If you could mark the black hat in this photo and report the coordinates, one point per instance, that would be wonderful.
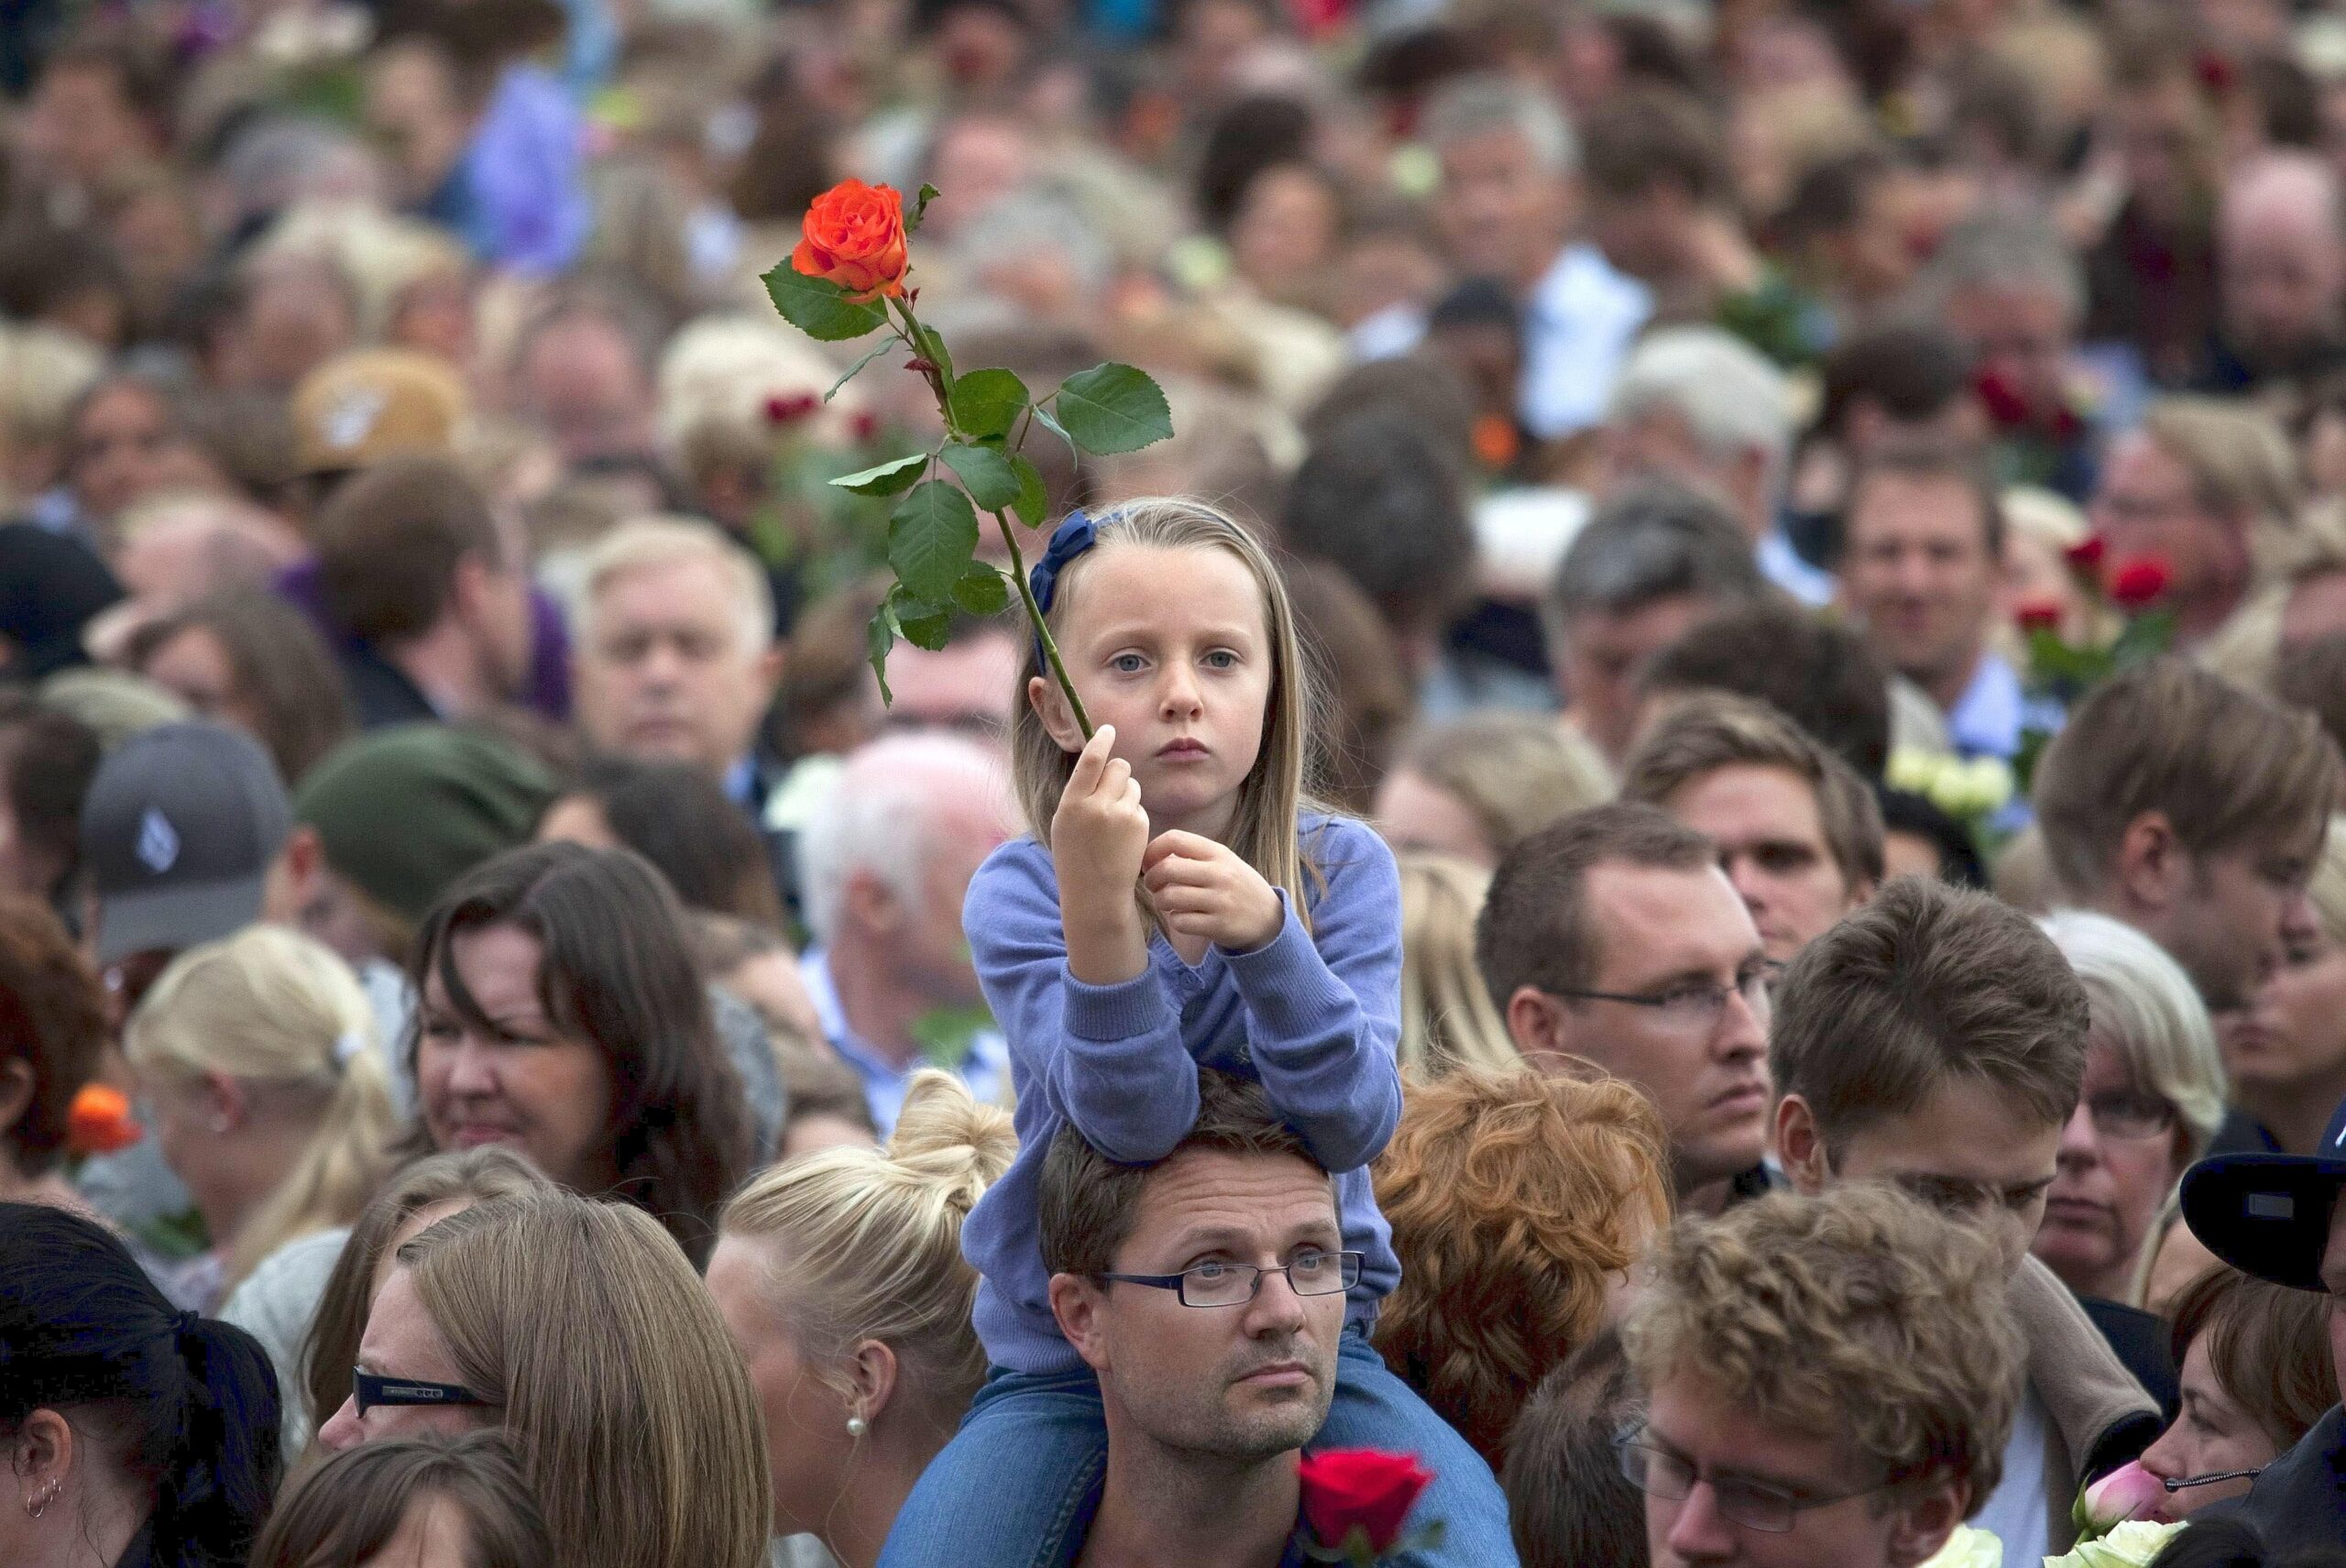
(2268, 1214)
(178, 830)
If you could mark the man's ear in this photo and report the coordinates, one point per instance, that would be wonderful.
(1050, 705)
(872, 1369)
(1078, 1304)
(871, 904)
(766, 671)
(1801, 1147)
(468, 587)
(1532, 1021)
(1922, 1523)
(2153, 869)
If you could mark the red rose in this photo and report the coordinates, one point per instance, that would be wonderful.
(2086, 554)
(99, 1121)
(789, 409)
(1359, 1488)
(2038, 615)
(864, 425)
(2136, 584)
(855, 238)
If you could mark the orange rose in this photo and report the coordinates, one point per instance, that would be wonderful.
(99, 1121)
(855, 238)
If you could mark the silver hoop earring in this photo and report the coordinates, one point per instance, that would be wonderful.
(857, 1426)
(35, 1507)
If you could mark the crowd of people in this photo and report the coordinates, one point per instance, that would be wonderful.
(1694, 881)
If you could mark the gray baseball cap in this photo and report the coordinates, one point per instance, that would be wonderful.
(177, 832)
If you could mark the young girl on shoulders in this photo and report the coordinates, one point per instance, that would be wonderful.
(1179, 904)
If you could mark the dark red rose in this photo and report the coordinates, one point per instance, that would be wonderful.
(1360, 1488)
(791, 407)
(2038, 615)
(2137, 585)
(2086, 554)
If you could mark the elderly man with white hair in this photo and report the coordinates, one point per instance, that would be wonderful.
(1702, 406)
(676, 658)
(884, 864)
(2281, 255)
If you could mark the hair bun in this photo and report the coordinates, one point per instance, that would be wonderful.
(945, 1137)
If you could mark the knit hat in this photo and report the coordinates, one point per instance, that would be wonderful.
(404, 812)
(354, 410)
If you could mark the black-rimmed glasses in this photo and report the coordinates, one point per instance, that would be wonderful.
(1755, 1503)
(370, 1390)
(1234, 1284)
(1694, 1007)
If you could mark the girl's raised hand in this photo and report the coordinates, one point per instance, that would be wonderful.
(1097, 835)
(1203, 889)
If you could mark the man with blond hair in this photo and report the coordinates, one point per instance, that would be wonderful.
(1798, 832)
(1829, 1384)
(676, 659)
(2193, 810)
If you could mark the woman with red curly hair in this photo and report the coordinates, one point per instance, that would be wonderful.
(1519, 1201)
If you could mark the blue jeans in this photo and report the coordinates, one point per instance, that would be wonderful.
(1017, 1485)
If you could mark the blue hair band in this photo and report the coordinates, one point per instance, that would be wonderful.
(1069, 540)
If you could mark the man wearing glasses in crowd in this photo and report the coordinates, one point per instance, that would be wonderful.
(1206, 1291)
(1614, 937)
(1829, 1383)
(1934, 1040)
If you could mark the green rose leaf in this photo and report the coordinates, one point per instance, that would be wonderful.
(988, 402)
(1113, 408)
(1033, 502)
(993, 482)
(920, 207)
(983, 590)
(879, 636)
(818, 307)
(856, 370)
(931, 347)
(887, 478)
(925, 625)
(931, 536)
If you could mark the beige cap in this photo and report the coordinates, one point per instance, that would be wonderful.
(354, 410)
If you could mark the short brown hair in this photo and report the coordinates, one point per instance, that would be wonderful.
(390, 541)
(1087, 1203)
(343, 1512)
(2268, 1347)
(1513, 1197)
(1922, 461)
(1716, 730)
(2227, 766)
(1926, 983)
(2313, 678)
(1534, 929)
(1820, 675)
(53, 1018)
(1567, 1502)
(1647, 136)
(1859, 1315)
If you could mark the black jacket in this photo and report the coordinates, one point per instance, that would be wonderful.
(2300, 1500)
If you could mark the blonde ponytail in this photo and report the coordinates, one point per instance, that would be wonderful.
(272, 1008)
(870, 1243)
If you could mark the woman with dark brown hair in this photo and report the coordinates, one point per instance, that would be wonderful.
(560, 1014)
(52, 1029)
(245, 657)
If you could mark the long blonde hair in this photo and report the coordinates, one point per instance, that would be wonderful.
(583, 1324)
(271, 1007)
(1270, 802)
(870, 1243)
(1447, 1019)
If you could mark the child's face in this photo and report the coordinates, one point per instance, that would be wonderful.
(1170, 646)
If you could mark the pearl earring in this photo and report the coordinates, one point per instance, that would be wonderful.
(857, 1426)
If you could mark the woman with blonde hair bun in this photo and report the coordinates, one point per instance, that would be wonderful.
(268, 1096)
(1447, 1019)
(840, 1278)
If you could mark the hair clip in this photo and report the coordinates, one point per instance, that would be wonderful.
(1069, 540)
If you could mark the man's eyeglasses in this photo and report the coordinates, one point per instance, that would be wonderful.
(1234, 1284)
(1754, 1503)
(370, 1390)
(2128, 1117)
(1693, 1007)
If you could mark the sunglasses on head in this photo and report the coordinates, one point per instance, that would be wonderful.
(370, 1390)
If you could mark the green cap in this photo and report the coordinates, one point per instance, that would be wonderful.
(406, 811)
